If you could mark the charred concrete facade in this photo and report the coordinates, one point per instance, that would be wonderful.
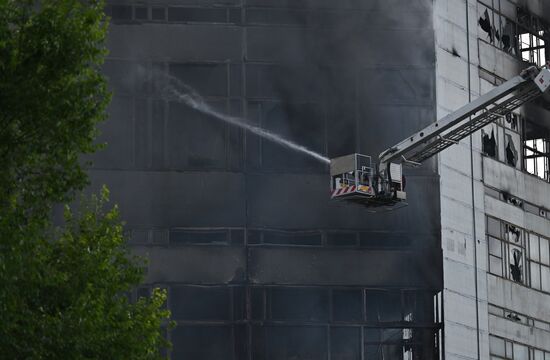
(494, 186)
(258, 263)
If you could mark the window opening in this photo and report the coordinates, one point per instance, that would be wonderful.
(536, 150)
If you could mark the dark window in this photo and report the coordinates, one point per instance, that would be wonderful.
(384, 239)
(197, 14)
(158, 13)
(121, 12)
(200, 303)
(237, 237)
(296, 342)
(347, 305)
(257, 303)
(345, 343)
(202, 343)
(511, 151)
(206, 79)
(342, 239)
(489, 143)
(383, 306)
(141, 13)
(235, 16)
(292, 238)
(277, 16)
(302, 123)
(299, 304)
(239, 302)
(186, 237)
(196, 140)
(144, 292)
(254, 237)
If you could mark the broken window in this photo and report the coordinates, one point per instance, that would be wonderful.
(512, 234)
(511, 151)
(514, 316)
(486, 23)
(506, 250)
(504, 196)
(489, 143)
(536, 140)
(511, 121)
(516, 264)
(509, 38)
(497, 29)
(532, 36)
(513, 30)
(512, 139)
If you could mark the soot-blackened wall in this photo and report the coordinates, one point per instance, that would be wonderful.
(258, 262)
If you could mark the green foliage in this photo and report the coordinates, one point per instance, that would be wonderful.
(62, 290)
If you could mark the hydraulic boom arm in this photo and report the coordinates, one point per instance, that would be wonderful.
(471, 117)
(354, 177)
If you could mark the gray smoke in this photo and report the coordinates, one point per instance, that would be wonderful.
(183, 93)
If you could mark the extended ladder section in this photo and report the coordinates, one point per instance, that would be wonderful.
(355, 179)
(475, 115)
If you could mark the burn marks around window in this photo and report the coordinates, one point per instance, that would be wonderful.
(498, 29)
(514, 30)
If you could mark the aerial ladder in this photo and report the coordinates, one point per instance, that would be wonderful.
(356, 178)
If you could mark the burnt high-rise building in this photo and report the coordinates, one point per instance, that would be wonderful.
(258, 262)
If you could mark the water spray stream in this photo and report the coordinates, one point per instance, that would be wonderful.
(185, 94)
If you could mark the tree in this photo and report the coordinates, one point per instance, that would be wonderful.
(63, 290)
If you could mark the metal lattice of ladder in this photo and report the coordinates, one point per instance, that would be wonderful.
(487, 116)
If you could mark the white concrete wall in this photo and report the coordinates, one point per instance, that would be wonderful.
(454, 89)
(463, 196)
